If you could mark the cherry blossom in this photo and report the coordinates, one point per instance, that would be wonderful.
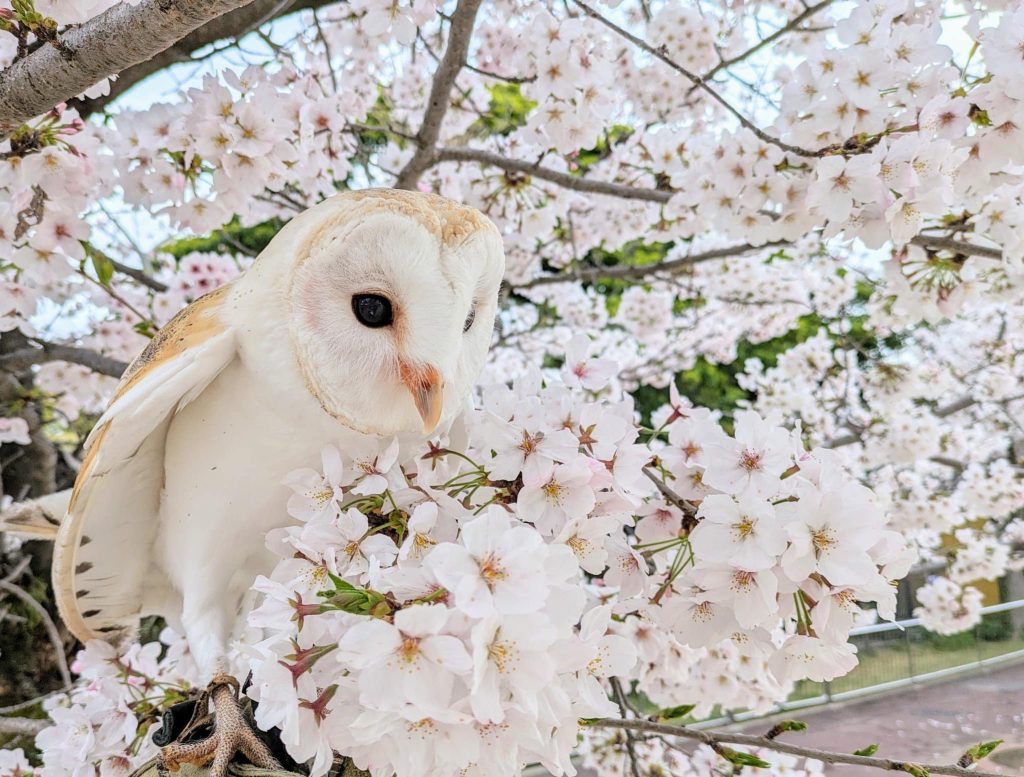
(821, 236)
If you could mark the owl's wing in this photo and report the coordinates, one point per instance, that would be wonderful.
(102, 564)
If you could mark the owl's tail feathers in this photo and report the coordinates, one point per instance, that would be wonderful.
(36, 519)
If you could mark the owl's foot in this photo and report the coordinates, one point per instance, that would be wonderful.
(232, 734)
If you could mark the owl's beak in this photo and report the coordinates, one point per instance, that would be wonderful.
(427, 388)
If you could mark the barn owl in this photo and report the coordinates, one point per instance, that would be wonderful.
(369, 314)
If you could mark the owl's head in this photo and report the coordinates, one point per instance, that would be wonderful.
(391, 302)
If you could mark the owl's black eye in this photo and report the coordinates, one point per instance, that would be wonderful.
(372, 310)
(469, 320)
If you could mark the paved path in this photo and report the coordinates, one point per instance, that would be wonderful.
(932, 723)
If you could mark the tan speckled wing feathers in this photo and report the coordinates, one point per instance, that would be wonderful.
(100, 587)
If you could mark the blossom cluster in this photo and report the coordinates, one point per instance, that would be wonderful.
(865, 177)
(458, 610)
(103, 725)
(935, 437)
(947, 608)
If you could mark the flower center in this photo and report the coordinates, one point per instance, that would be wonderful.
(502, 654)
(751, 460)
(321, 496)
(742, 580)
(702, 612)
(578, 544)
(530, 443)
(492, 571)
(744, 528)
(595, 664)
(553, 491)
(409, 650)
(421, 541)
(823, 539)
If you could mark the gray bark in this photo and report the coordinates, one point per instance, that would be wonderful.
(105, 45)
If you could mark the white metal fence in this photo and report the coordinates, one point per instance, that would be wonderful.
(894, 655)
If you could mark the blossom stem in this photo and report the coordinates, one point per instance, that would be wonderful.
(682, 560)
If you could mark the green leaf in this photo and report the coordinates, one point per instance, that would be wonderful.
(785, 725)
(739, 758)
(145, 328)
(915, 770)
(867, 751)
(101, 263)
(232, 238)
(978, 752)
(670, 713)
(508, 110)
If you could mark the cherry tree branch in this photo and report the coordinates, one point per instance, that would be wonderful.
(23, 358)
(716, 739)
(116, 39)
(22, 726)
(565, 180)
(628, 192)
(957, 246)
(232, 25)
(631, 271)
(697, 80)
(460, 31)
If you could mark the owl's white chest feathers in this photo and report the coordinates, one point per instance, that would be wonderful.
(226, 455)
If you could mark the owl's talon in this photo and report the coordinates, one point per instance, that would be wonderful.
(232, 734)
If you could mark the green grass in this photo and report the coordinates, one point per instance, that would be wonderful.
(882, 663)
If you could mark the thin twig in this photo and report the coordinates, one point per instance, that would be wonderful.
(118, 298)
(627, 271)
(18, 571)
(696, 80)
(718, 738)
(940, 412)
(356, 129)
(138, 275)
(688, 509)
(620, 700)
(507, 79)
(327, 51)
(766, 41)
(51, 629)
(144, 256)
(24, 705)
